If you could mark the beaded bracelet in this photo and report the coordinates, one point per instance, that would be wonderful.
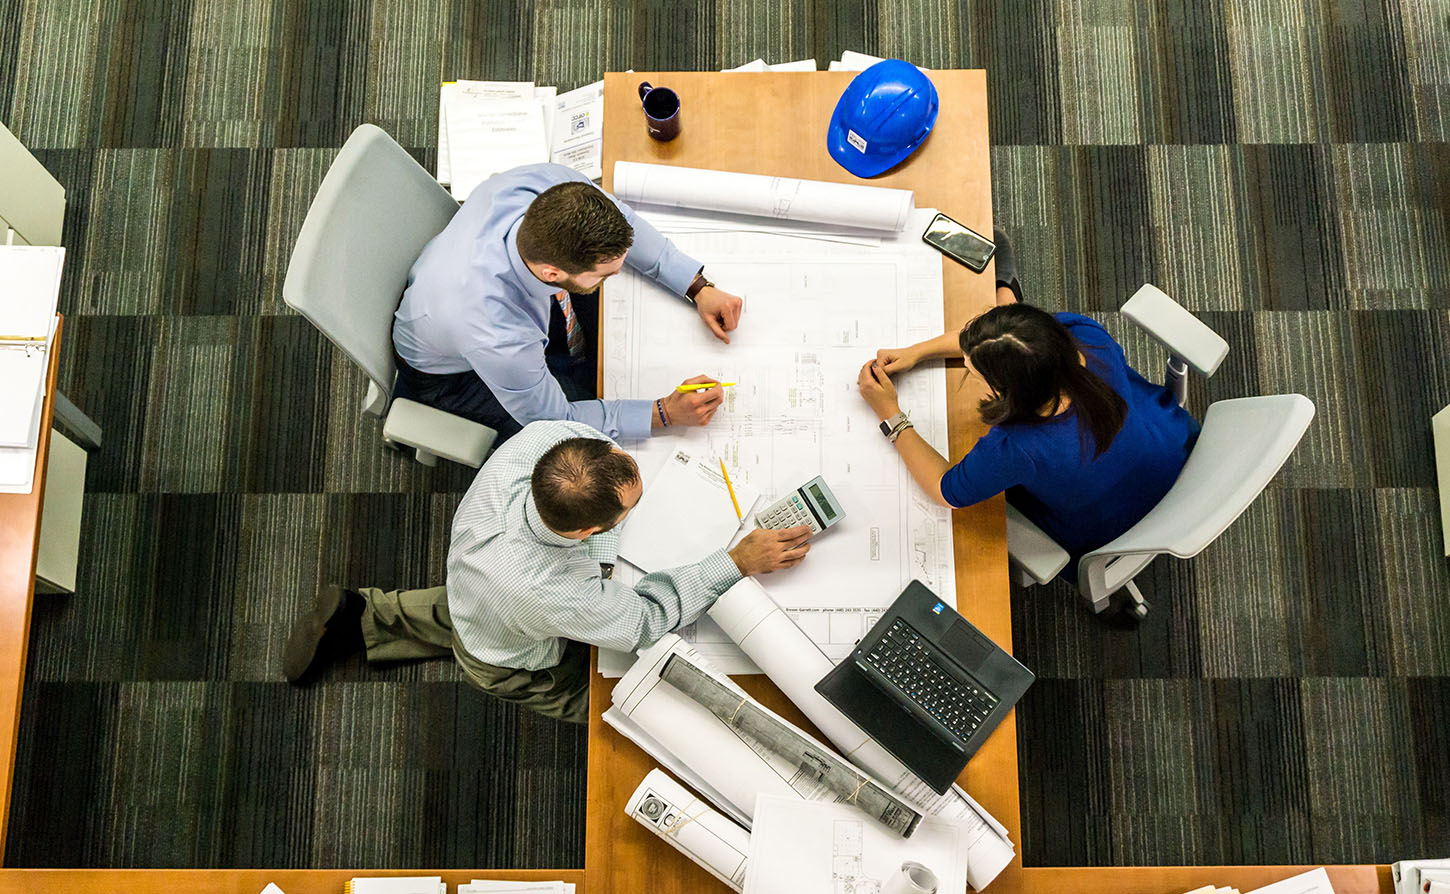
(660, 408)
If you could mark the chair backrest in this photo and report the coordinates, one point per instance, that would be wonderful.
(374, 213)
(1243, 444)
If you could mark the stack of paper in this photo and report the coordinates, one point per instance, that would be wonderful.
(1421, 876)
(483, 886)
(1316, 881)
(417, 884)
(853, 61)
(29, 292)
(762, 65)
(485, 127)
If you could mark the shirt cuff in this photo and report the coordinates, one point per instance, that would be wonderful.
(635, 418)
(677, 272)
(718, 572)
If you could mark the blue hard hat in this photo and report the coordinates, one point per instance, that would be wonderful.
(885, 113)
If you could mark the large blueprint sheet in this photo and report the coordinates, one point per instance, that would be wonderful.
(816, 309)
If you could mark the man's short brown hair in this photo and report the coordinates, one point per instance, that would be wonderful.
(575, 227)
(576, 484)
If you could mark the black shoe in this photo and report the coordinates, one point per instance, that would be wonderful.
(331, 630)
(1006, 264)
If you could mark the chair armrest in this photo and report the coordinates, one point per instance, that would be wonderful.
(443, 434)
(1032, 550)
(1172, 326)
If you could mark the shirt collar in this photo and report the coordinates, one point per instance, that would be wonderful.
(531, 284)
(542, 532)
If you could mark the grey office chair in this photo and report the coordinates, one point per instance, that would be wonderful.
(374, 212)
(1243, 444)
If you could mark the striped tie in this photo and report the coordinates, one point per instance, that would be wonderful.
(572, 329)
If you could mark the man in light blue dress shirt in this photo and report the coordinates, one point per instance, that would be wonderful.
(495, 322)
(529, 579)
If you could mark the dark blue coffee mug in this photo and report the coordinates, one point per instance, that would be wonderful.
(661, 111)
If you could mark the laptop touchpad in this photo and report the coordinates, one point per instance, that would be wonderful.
(966, 645)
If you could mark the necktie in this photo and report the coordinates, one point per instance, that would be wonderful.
(572, 329)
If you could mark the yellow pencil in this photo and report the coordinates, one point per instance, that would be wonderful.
(685, 389)
(731, 488)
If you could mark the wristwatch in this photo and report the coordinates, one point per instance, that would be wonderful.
(699, 284)
(892, 424)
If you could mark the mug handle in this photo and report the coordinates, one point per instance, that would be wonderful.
(644, 88)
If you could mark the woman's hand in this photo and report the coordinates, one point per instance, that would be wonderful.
(894, 360)
(877, 390)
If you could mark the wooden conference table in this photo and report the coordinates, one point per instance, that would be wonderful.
(775, 123)
(763, 123)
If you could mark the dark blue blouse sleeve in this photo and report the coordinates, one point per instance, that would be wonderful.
(991, 467)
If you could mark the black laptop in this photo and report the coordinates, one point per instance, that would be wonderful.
(927, 685)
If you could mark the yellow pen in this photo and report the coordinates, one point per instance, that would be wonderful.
(685, 389)
(731, 488)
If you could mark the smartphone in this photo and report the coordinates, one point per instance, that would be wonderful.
(962, 244)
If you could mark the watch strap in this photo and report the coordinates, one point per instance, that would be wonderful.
(698, 285)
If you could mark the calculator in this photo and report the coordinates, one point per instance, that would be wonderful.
(812, 504)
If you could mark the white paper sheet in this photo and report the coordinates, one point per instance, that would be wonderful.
(854, 61)
(578, 140)
(845, 205)
(22, 372)
(798, 65)
(752, 65)
(812, 847)
(814, 312)
(1315, 881)
(486, 136)
(1406, 873)
(691, 827)
(685, 514)
(482, 89)
(29, 289)
(483, 886)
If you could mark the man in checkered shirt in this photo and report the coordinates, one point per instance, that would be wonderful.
(528, 588)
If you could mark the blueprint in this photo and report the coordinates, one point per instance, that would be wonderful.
(815, 310)
(815, 847)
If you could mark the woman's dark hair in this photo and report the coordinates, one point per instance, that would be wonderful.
(576, 484)
(1030, 361)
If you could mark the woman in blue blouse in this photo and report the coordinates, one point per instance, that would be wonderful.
(1083, 445)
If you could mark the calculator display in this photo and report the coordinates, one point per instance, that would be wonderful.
(822, 502)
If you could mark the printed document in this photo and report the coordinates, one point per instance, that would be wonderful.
(813, 847)
(1315, 881)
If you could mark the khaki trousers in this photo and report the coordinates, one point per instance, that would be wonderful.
(404, 625)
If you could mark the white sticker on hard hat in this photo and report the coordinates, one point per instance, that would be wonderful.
(855, 140)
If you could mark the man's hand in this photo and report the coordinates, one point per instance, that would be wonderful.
(692, 407)
(720, 311)
(876, 388)
(763, 550)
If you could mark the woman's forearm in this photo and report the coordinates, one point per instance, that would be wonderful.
(943, 347)
(923, 462)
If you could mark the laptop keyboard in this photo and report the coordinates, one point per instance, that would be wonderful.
(912, 665)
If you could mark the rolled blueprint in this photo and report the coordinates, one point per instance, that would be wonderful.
(911, 878)
(730, 763)
(794, 663)
(691, 827)
(846, 205)
(812, 758)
